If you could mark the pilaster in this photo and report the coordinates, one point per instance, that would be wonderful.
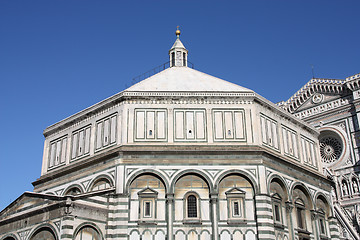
(67, 223)
(213, 203)
(264, 216)
(289, 208)
(334, 230)
(314, 220)
(118, 217)
(170, 215)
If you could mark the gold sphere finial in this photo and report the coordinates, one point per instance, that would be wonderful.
(177, 31)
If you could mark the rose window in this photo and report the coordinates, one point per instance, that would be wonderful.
(330, 149)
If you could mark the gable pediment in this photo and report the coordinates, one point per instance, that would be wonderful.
(316, 99)
(28, 202)
(147, 192)
(315, 92)
(235, 192)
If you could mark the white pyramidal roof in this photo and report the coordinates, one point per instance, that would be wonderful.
(177, 44)
(185, 79)
(180, 78)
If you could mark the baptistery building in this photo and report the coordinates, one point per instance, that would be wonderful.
(182, 155)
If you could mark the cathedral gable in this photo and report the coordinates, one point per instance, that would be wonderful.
(315, 92)
(316, 99)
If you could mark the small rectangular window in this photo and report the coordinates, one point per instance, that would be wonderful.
(172, 59)
(300, 218)
(277, 213)
(322, 226)
(147, 212)
(236, 208)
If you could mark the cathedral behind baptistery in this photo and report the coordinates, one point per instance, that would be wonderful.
(182, 155)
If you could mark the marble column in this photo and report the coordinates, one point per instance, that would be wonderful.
(214, 197)
(170, 215)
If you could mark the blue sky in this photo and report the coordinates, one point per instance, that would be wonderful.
(59, 57)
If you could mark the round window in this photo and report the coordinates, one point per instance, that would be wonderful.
(331, 147)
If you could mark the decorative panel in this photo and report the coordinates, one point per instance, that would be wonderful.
(106, 132)
(189, 117)
(200, 126)
(218, 123)
(179, 125)
(290, 142)
(57, 152)
(308, 152)
(140, 125)
(190, 125)
(269, 132)
(161, 124)
(80, 142)
(229, 124)
(150, 125)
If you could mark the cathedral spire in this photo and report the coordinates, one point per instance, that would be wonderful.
(178, 53)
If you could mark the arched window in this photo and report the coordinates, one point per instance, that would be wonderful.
(101, 184)
(73, 191)
(43, 233)
(88, 233)
(172, 59)
(277, 209)
(300, 213)
(278, 196)
(323, 210)
(9, 238)
(192, 206)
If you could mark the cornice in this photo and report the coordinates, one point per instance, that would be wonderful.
(122, 151)
(353, 82)
(189, 94)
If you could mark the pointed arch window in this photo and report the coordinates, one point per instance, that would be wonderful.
(345, 189)
(355, 185)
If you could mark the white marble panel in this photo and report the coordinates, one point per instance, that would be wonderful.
(140, 125)
(161, 125)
